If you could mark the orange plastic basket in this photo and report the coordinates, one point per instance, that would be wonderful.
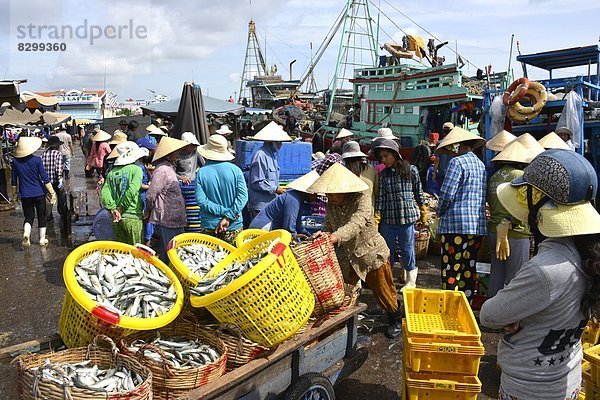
(271, 301)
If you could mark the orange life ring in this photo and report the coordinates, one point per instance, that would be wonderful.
(515, 91)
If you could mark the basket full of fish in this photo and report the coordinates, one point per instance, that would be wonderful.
(83, 373)
(181, 356)
(192, 255)
(116, 289)
(260, 289)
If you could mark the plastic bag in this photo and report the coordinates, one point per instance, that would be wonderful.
(570, 117)
(498, 114)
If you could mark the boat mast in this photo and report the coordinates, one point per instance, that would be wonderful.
(254, 64)
(357, 40)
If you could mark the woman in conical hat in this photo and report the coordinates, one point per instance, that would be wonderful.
(545, 307)
(100, 149)
(461, 210)
(361, 250)
(508, 237)
(499, 141)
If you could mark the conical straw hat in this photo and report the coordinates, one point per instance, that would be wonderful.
(344, 133)
(500, 140)
(530, 143)
(27, 145)
(272, 133)
(154, 130)
(516, 152)
(166, 146)
(338, 179)
(101, 136)
(304, 182)
(458, 135)
(118, 137)
(553, 141)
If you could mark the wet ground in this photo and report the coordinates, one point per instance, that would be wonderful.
(32, 290)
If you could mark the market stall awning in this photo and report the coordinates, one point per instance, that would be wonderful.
(52, 118)
(13, 117)
(211, 106)
(258, 111)
(563, 58)
(33, 100)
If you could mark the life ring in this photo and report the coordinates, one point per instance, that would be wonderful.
(515, 91)
(536, 91)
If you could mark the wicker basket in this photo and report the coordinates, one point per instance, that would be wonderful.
(104, 358)
(170, 382)
(320, 265)
(421, 243)
(240, 350)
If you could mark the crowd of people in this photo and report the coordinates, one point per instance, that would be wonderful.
(538, 192)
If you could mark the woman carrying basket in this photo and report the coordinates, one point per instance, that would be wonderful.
(361, 251)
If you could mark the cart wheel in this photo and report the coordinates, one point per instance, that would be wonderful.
(311, 386)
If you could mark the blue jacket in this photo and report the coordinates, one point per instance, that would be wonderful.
(284, 212)
(263, 177)
(29, 172)
(221, 192)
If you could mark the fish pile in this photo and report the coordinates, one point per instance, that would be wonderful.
(83, 375)
(226, 276)
(126, 285)
(179, 351)
(200, 258)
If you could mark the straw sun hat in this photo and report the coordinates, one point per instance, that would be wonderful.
(500, 140)
(128, 153)
(101, 136)
(118, 137)
(338, 179)
(343, 133)
(385, 133)
(216, 149)
(167, 146)
(521, 150)
(304, 182)
(27, 145)
(564, 182)
(553, 141)
(272, 133)
(458, 135)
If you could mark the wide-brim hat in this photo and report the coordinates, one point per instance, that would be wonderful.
(553, 220)
(154, 130)
(167, 146)
(272, 132)
(553, 141)
(224, 130)
(459, 135)
(304, 182)
(447, 126)
(128, 153)
(338, 179)
(118, 138)
(387, 144)
(351, 149)
(190, 138)
(343, 133)
(500, 140)
(53, 141)
(319, 155)
(216, 149)
(516, 152)
(385, 133)
(101, 136)
(563, 129)
(27, 146)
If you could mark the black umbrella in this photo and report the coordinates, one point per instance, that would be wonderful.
(191, 116)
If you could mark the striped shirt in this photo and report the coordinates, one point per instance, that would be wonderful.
(461, 205)
(52, 161)
(399, 199)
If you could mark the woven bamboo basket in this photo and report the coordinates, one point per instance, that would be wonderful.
(170, 382)
(421, 243)
(31, 388)
(320, 265)
(240, 349)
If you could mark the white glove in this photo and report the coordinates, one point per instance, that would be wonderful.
(51, 195)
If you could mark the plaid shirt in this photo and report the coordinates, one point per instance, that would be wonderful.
(399, 199)
(328, 161)
(52, 161)
(461, 205)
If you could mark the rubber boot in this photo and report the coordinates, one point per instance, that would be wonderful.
(395, 323)
(411, 283)
(26, 234)
(43, 240)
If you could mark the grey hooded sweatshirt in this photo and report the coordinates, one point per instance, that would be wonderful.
(543, 359)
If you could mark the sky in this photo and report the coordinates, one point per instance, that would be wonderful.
(163, 44)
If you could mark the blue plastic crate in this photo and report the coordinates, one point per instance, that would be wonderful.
(294, 157)
(313, 223)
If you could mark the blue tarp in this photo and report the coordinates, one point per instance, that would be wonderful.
(211, 106)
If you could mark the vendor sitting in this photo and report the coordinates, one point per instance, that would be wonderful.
(361, 250)
(286, 211)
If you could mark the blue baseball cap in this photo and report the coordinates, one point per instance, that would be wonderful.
(147, 143)
(563, 175)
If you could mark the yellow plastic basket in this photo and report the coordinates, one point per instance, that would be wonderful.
(437, 386)
(189, 280)
(425, 355)
(591, 384)
(591, 335)
(247, 235)
(443, 315)
(82, 318)
(271, 301)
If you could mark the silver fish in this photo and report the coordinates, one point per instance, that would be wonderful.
(180, 352)
(200, 258)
